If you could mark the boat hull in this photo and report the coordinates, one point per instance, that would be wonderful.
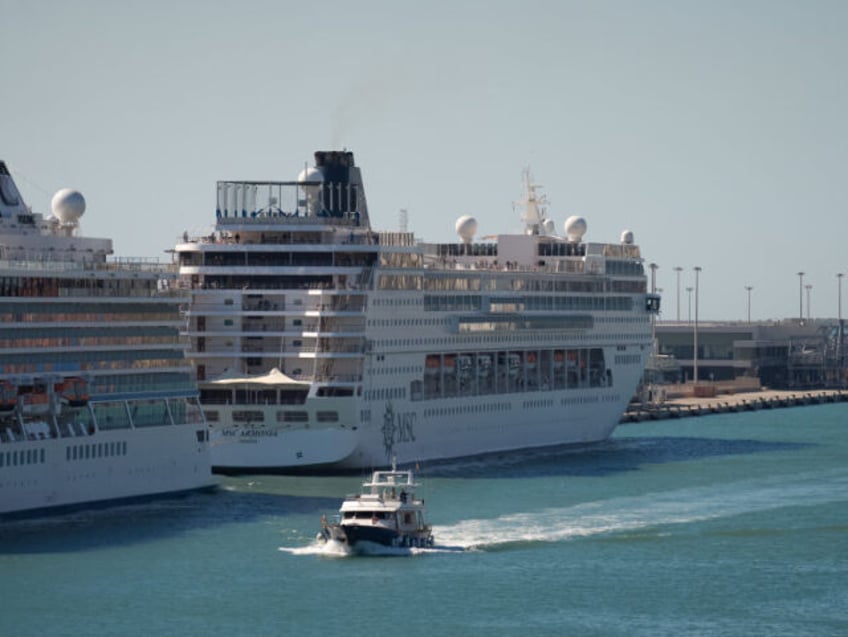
(355, 535)
(246, 449)
(48, 475)
(414, 431)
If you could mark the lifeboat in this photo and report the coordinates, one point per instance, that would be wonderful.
(74, 391)
(432, 364)
(35, 399)
(8, 396)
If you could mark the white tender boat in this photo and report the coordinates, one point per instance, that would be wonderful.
(386, 513)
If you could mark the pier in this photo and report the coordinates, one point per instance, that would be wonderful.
(695, 406)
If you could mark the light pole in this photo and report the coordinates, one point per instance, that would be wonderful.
(678, 270)
(748, 288)
(808, 287)
(841, 334)
(689, 292)
(801, 297)
(695, 333)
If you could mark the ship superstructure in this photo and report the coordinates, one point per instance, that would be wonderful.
(97, 399)
(321, 343)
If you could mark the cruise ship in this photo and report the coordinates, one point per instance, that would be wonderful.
(98, 402)
(321, 344)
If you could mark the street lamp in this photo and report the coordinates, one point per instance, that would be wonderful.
(801, 297)
(695, 333)
(808, 287)
(841, 334)
(748, 288)
(678, 270)
(689, 292)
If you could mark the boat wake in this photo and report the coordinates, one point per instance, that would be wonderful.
(639, 513)
(649, 513)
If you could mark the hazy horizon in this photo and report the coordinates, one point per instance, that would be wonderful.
(716, 132)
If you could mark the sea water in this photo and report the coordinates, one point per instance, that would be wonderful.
(733, 524)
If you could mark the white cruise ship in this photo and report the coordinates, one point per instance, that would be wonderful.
(97, 400)
(322, 344)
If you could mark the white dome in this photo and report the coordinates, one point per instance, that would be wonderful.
(549, 226)
(575, 228)
(68, 205)
(310, 175)
(627, 237)
(466, 227)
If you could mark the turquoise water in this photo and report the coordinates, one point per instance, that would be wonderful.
(725, 525)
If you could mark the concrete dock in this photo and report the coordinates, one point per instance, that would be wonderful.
(749, 401)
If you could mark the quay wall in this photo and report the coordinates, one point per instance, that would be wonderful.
(695, 406)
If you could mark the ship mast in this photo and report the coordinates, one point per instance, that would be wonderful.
(535, 207)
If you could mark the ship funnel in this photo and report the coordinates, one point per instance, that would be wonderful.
(342, 193)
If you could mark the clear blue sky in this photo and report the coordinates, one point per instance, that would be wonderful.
(716, 131)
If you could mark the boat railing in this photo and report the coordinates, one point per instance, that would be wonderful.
(112, 265)
(242, 203)
(345, 379)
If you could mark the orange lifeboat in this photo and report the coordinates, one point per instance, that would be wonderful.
(35, 399)
(74, 391)
(8, 396)
(432, 362)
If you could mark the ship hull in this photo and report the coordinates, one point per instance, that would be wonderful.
(239, 449)
(414, 431)
(50, 475)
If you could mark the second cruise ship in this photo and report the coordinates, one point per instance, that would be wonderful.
(322, 344)
(97, 400)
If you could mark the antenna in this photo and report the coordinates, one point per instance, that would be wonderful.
(534, 206)
(403, 220)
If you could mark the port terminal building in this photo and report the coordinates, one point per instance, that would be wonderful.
(781, 354)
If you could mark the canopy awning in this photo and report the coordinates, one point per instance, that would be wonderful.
(274, 377)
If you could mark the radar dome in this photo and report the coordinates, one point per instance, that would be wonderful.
(311, 178)
(549, 226)
(466, 227)
(627, 237)
(68, 205)
(575, 228)
(310, 175)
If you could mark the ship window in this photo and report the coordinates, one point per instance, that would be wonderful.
(149, 413)
(295, 416)
(328, 416)
(111, 416)
(212, 416)
(248, 415)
